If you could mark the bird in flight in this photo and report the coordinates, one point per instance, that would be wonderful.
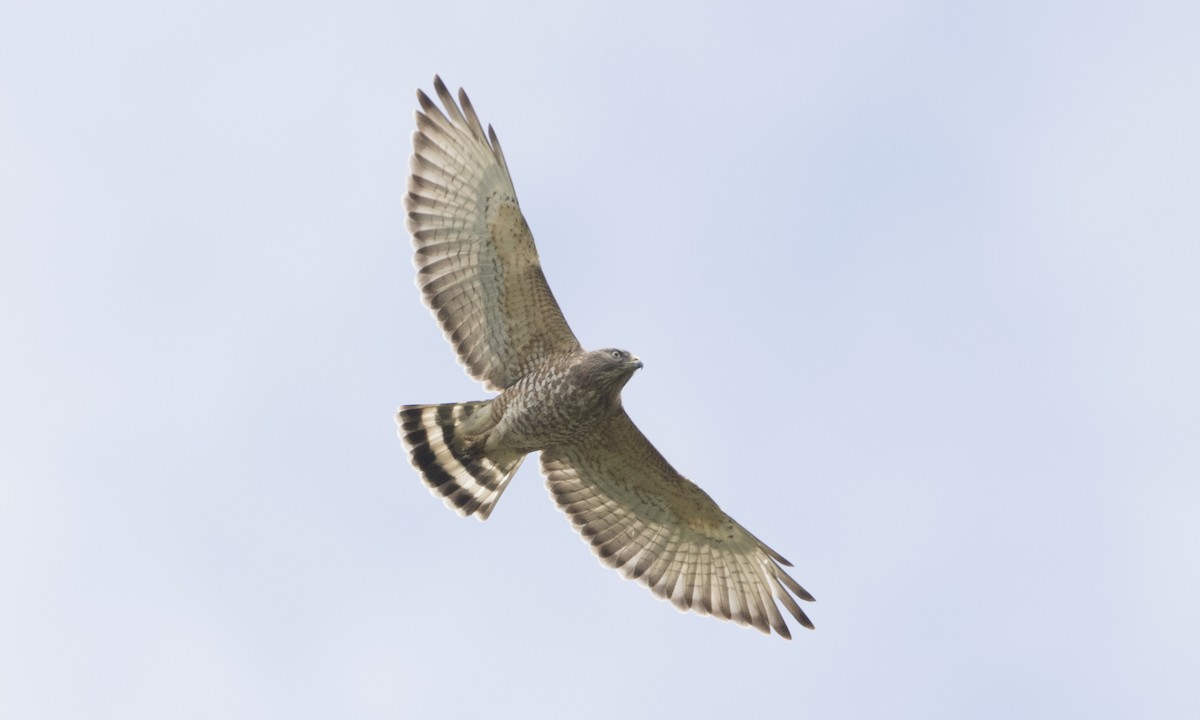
(479, 273)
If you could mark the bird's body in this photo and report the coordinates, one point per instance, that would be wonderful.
(479, 272)
(563, 399)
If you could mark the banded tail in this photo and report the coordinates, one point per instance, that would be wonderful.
(468, 480)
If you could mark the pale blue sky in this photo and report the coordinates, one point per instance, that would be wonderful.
(917, 286)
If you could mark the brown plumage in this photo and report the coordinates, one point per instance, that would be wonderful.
(479, 272)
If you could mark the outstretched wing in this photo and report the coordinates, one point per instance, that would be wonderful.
(477, 267)
(646, 520)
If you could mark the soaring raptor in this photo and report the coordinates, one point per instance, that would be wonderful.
(479, 273)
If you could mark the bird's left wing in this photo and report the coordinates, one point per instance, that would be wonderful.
(646, 520)
(477, 266)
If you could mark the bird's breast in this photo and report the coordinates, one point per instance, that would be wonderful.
(549, 406)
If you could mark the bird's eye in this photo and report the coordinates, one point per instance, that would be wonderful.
(615, 354)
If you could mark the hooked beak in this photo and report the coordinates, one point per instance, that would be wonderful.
(635, 362)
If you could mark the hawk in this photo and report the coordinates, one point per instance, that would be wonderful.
(479, 273)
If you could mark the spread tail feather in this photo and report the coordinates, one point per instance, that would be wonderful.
(467, 479)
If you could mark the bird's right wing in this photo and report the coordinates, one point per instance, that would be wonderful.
(646, 520)
(478, 269)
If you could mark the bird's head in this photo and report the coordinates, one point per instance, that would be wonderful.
(612, 367)
(618, 360)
